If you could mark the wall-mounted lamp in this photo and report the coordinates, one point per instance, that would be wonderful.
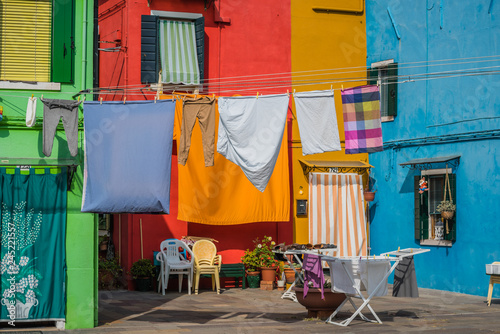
(301, 190)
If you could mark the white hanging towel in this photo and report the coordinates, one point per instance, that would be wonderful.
(31, 112)
(317, 121)
(250, 134)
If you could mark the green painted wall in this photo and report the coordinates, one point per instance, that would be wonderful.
(19, 141)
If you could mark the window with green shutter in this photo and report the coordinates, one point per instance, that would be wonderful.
(174, 46)
(430, 227)
(36, 40)
(385, 74)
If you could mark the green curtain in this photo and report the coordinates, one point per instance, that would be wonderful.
(33, 254)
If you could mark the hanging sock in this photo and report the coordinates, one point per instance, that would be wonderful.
(250, 134)
(203, 109)
(317, 121)
(31, 112)
(53, 111)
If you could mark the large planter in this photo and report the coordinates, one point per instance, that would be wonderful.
(268, 274)
(253, 279)
(143, 284)
(317, 307)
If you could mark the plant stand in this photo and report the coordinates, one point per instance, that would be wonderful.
(290, 293)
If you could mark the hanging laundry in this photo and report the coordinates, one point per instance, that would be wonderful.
(250, 134)
(317, 121)
(313, 272)
(1, 113)
(31, 112)
(222, 194)
(204, 109)
(53, 111)
(405, 279)
(128, 154)
(362, 125)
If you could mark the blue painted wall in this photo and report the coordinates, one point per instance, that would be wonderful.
(436, 30)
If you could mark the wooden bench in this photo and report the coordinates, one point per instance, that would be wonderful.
(233, 270)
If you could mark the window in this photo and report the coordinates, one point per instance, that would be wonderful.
(427, 216)
(385, 73)
(173, 43)
(36, 40)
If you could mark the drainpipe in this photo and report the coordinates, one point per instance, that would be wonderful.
(84, 46)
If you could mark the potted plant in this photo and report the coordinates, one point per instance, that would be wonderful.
(103, 242)
(369, 194)
(268, 264)
(251, 262)
(447, 209)
(110, 273)
(290, 272)
(142, 272)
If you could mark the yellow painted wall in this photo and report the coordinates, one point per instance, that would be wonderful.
(326, 34)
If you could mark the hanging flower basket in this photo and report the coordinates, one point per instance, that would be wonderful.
(447, 214)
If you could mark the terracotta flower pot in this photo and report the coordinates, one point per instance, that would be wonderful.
(369, 196)
(268, 273)
(289, 275)
(317, 307)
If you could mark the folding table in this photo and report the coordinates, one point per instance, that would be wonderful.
(290, 293)
(355, 279)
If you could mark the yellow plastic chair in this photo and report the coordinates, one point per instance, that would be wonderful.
(206, 261)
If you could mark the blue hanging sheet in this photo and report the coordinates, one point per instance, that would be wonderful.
(128, 153)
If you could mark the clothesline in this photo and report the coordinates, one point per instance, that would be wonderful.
(263, 85)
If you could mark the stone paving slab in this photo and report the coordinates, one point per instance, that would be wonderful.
(255, 311)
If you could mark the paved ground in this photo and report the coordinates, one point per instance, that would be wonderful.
(257, 311)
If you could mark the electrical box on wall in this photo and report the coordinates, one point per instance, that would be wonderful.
(301, 207)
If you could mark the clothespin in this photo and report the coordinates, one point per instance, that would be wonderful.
(101, 100)
(78, 98)
(32, 95)
(398, 248)
(124, 99)
(287, 92)
(84, 98)
(155, 98)
(257, 94)
(411, 250)
(41, 97)
(342, 88)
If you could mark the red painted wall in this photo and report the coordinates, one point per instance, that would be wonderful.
(256, 41)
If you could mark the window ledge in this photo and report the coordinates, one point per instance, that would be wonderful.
(30, 85)
(387, 119)
(430, 242)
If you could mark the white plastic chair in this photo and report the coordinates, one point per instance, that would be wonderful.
(172, 262)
